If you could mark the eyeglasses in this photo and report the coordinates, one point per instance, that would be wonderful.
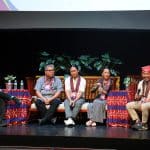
(49, 70)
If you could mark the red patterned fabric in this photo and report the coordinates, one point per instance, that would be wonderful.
(117, 114)
(18, 114)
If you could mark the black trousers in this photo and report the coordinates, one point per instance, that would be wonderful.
(3, 100)
(47, 114)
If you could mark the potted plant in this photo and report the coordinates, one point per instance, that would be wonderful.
(105, 60)
(61, 63)
(9, 79)
(85, 63)
(64, 62)
(126, 82)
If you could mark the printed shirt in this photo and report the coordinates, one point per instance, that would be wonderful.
(56, 86)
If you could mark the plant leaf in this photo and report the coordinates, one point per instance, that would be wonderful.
(60, 58)
(106, 57)
(42, 65)
(44, 53)
(63, 67)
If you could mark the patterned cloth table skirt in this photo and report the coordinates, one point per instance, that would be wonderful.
(117, 114)
(18, 114)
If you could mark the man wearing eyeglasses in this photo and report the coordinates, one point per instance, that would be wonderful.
(48, 89)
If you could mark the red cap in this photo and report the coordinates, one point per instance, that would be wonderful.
(146, 69)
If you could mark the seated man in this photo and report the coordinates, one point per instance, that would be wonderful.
(48, 89)
(74, 89)
(4, 98)
(141, 102)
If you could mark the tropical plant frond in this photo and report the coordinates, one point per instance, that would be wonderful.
(83, 62)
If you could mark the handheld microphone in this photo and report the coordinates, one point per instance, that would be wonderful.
(138, 92)
(137, 98)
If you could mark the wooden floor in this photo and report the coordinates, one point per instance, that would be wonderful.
(79, 136)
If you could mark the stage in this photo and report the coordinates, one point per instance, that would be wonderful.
(79, 136)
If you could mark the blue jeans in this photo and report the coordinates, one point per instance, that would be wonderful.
(73, 112)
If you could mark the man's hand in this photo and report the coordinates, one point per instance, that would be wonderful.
(49, 100)
(137, 97)
(46, 101)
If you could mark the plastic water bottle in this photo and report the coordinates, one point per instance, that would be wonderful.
(9, 85)
(21, 84)
(15, 84)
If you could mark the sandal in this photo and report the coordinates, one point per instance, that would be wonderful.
(89, 123)
(93, 124)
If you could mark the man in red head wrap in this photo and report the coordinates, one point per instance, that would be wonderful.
(141, 102)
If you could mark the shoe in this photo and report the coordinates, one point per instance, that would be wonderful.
(143, 127)
(3, 123)
(53, 120)
(136, 126)
(93, 124)
(69, 122)
(73, 122)
(89, 123)
(41, 121)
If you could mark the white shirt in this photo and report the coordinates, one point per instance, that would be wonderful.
(140, 89)
(82, 85)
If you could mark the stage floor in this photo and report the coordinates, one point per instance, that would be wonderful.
(78, 136)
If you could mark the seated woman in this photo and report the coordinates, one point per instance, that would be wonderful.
(96, 110)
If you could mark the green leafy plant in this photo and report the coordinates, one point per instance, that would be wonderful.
(127, 81)
(84, 62)
(10, 77)
(105, 60)
(60, 62)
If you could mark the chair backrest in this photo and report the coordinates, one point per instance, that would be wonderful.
(90, 81)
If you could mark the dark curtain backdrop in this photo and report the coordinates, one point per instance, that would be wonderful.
(20, 48)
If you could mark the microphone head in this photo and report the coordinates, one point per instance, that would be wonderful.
(138, 92)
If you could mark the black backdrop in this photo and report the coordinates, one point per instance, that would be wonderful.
(20, 48)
